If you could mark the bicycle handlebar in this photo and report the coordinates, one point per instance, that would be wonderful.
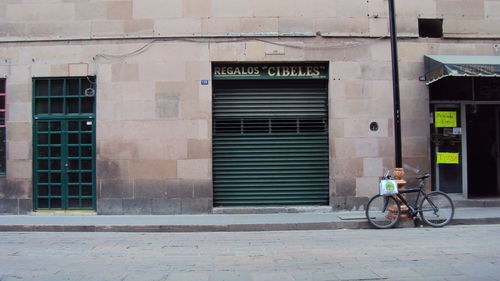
(424, 176)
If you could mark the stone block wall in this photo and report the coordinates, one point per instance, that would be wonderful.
(60, 19)
(154, 118)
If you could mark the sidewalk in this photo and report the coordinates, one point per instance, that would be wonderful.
(218, 222)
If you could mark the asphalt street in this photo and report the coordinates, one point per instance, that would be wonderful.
(469, 252)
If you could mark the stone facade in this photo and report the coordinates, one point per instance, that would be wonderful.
(154, 118)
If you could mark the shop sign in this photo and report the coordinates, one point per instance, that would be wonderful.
(269, 71)
(445, 119)
(447, 158)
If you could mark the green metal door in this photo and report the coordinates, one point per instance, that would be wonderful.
(271, 145)
(64, 144)
(64, 165)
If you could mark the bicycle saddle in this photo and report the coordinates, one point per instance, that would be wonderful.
(424, 176)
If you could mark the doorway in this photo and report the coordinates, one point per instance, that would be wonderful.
(483, 143)
(64, 164)
(446, 133)
(270, 135)
(64, 143)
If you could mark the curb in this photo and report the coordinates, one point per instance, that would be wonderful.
(223, 227)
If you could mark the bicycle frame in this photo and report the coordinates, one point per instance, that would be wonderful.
(412, 208)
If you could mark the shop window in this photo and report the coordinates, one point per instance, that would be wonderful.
(431, 28)
(2, 126)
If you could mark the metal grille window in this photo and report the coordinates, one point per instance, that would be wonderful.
(3, 113)
(64, 96)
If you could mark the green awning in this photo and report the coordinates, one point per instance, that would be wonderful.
(437, 67)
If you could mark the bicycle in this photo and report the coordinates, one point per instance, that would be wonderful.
(434, 208)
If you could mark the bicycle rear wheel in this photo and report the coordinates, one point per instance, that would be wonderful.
(383, 211)
(437, 209)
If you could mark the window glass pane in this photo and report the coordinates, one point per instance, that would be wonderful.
(56, 203)
(55, 151)
(55, 164)
(73, 87)
(73, 126)
(43, 151)
(74, 203)
(86, 138)
(72, 105)
(73, 138)
(56, 105)
(42, 88)
(86, 177)
(2, 102)
(2, 150)
(43, 190)
(74, 190)
(86, 203)
(2, 85)
(73, 177)
(74, 165)
(55, 177)
(43, 164)
(43, 177)
(87, 190)
(42, 106)
(87, 105)
(73, 151)
(43, 138)
(56, 87)
(86, 151)
(43, 126)
(55, 190)
(43, 203)
(86, 164)
(55, 126)
(55, 139)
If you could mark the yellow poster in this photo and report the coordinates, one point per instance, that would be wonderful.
(445, 119)
(447, 158)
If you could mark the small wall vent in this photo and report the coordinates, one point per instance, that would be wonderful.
(430, 28)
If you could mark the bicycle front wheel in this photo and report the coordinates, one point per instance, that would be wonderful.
(437, 209)
(383, 211)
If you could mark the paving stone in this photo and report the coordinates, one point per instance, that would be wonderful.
(230, 276)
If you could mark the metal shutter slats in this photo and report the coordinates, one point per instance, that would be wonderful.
(270, 147)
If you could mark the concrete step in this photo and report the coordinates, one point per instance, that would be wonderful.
(476, 203)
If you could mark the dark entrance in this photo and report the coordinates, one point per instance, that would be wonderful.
(483, 135)
(470, 84)
(447, 148)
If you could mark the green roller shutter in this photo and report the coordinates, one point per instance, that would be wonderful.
(270, 146)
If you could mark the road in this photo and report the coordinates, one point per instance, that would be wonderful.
(449, 253)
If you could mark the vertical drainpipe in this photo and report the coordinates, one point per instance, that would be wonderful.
(395, 86)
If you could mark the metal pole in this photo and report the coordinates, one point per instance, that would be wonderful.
(395, 86)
